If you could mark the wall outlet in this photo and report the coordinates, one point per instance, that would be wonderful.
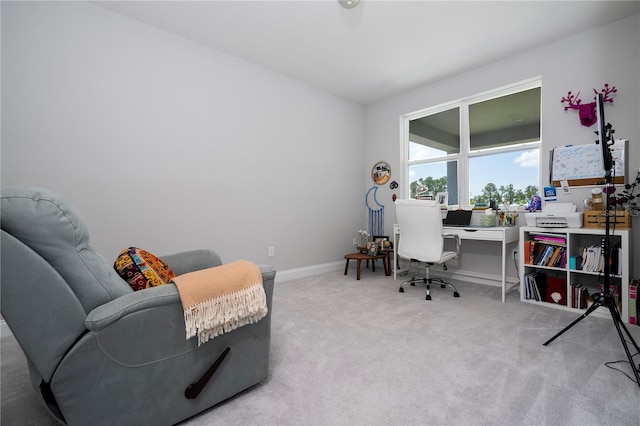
(272, 251)
(514, 254)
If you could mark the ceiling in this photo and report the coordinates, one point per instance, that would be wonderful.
(378, 48)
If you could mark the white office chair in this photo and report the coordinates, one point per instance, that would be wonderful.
(422, 240)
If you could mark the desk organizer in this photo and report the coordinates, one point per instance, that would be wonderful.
(488, 220)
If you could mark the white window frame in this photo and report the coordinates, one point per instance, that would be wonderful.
(465, 153)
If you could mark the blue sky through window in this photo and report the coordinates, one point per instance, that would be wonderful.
(519, 168)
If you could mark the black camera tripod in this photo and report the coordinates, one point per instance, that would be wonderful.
(605, 298)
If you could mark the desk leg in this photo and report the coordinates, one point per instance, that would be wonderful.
(395, 256)
(504, 267)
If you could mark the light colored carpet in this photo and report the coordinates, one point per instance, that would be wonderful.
(347, 352)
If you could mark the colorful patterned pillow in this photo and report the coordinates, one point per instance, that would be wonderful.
(142, 269)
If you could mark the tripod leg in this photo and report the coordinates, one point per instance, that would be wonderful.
(580, 318)
(624, 327)
(619, 327)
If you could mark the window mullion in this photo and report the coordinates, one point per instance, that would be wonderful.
(465, 142)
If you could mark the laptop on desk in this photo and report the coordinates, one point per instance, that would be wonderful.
(457, 218)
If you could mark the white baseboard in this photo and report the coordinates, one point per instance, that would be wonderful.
(455, 274)
(292, 274)
(478, 278)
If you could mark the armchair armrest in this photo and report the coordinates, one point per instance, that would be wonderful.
(107, 314)
(455, 237)
(149, 298)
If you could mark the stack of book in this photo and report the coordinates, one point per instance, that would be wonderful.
(579, 296)
(633, 302)
(593, 259)
(535, 286)
(546, 250)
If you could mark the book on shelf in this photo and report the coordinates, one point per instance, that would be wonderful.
(579, 296)
(556, 256)
(552, 239)
(526, 251)
(535, 286)
(616, 265)
(592, 259)
(543, 254)
(633, 302)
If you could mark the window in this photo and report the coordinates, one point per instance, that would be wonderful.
(482, 148)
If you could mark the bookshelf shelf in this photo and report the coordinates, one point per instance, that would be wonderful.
(550, 267)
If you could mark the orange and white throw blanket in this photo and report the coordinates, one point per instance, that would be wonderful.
(220, 299)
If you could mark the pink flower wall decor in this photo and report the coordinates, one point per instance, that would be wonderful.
(587, 112)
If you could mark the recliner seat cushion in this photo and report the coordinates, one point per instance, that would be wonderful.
(142, 269)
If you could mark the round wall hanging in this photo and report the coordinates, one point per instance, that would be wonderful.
(381, 172)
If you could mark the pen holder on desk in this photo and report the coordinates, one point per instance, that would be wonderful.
(488, 220)
(506, 218)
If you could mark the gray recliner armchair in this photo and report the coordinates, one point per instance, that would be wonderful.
(98, 352)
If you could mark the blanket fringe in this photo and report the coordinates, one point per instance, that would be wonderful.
(213, 317)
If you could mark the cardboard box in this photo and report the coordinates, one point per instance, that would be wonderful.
(619, 219)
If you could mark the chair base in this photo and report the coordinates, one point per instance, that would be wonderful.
(428, 281)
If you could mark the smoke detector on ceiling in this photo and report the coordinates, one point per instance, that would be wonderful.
(349, 4)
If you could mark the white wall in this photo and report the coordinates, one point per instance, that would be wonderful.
(164, 144)
(609, 54)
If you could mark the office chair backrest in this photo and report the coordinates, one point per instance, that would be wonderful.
(420, 225)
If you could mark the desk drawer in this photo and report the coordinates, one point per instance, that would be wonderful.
(478, 234)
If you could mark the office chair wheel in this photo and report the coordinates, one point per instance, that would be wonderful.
(428, 297)
(456, 294)
(401, 290)
(443, 286)
(413, 284)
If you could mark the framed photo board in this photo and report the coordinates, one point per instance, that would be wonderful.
(582, 165)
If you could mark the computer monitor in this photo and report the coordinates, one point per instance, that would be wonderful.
(457, 218)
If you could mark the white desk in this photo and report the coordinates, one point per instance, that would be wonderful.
(502, 234)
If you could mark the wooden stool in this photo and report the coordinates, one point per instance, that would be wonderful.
(359, 257)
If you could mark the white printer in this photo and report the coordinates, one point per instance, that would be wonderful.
(555, 215)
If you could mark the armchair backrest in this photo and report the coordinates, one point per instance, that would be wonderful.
(51, 277)
(420, 223)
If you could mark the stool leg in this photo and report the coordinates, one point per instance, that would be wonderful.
(358, 269)
(346, 267)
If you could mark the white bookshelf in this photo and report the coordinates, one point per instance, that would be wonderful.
(576, 239)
